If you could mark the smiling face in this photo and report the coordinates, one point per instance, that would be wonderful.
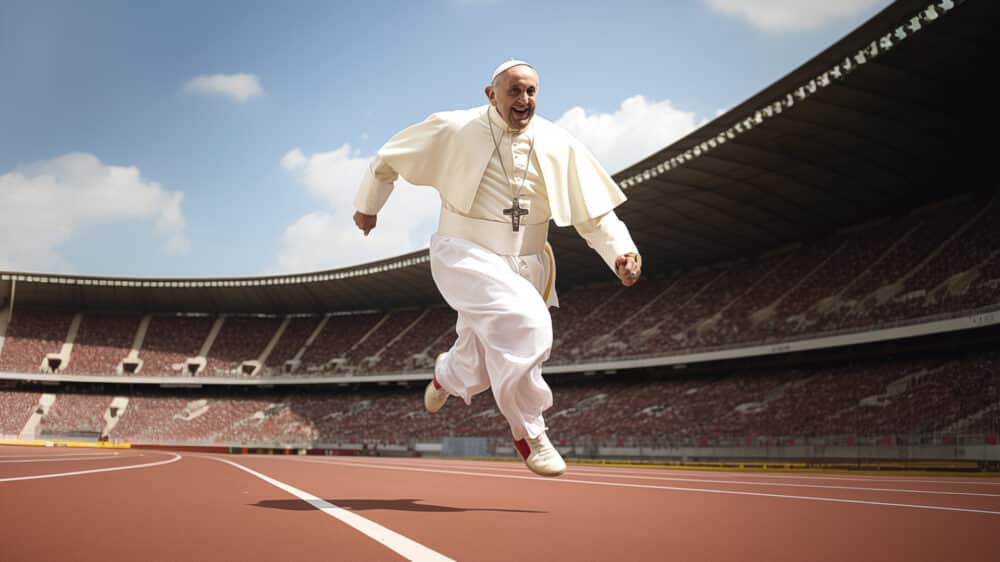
(513, 94)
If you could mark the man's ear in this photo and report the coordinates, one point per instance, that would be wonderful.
(490, 95)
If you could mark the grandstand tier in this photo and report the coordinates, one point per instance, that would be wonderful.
(927, 264)
(923, 396)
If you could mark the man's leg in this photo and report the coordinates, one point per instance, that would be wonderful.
(462, 370)
(510, 320)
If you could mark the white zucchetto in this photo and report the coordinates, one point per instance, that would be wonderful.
(509, 64)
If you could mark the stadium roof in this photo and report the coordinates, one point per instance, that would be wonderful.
(899, 112)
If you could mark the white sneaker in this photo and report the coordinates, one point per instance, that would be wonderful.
(541, 456)
(434, 398)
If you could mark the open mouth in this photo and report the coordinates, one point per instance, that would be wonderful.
(520, 113)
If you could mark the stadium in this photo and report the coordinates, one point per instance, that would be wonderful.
(821, 291)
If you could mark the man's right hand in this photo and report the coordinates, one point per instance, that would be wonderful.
(365, 222)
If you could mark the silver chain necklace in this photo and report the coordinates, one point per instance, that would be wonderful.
(516, 211)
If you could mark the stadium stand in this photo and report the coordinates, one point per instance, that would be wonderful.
(413, 350)
(103, 341)
(242, 338)
(818, 207)
(157, 419)
(366, 354)
(872, 397)
(31, 335)
(170, 340)
(941, 259)
(340, 334)
(292, 340)
(75, 414)
(15, 409)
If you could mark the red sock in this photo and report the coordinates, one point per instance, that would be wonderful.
(522, 447)
(437, 385)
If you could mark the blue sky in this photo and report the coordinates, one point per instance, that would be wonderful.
(214, 138)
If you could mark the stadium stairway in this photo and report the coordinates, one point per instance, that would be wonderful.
(254, 366)
(55, 362)
(895, 388)
(836, 300)
(957, 235)
(132, 363)
(4, 320)
(296, 360)
(377, 356)
(196, 364)
(608, 338)
(113, 414)
(771, 310)
(30, 430)
(341, 365)
(965, 422)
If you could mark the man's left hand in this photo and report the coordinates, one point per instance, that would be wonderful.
(628, 268)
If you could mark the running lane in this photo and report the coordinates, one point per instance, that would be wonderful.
(191, 509)
(499, 511)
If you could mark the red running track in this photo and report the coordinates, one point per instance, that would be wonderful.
(84, 504)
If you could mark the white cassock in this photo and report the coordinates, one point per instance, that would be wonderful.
(499, 281)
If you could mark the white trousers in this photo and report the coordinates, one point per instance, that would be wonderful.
(504, 328)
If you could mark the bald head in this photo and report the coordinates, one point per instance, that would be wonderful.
(513, 94)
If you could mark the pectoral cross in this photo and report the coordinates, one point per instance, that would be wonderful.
(516, 211)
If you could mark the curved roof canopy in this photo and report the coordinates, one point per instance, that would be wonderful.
(899, 112)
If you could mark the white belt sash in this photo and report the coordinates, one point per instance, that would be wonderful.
(498, 237)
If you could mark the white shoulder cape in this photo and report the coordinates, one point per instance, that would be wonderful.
(450, 151)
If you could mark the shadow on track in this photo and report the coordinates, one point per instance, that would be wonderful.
(388, 505)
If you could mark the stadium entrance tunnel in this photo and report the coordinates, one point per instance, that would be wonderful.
(52, 363)
(194, 365)
(130, 367)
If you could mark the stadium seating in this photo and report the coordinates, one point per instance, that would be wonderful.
(102, 342)
(937, 261)
(582, 324)
(31, 335)
(170, 340)
(75, 413)
(242, 338)
(340, 334)
(953, 395)
(15, 409)
(413, 351)
(292, 340)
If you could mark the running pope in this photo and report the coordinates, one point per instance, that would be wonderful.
(502, 174)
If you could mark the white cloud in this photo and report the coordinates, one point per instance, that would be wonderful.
(790, 15)
(637, 129)
(293, 159)
(237, 87)
(45, 203)
(327, 238)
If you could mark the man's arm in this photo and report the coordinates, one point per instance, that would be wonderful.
(404, 154)
(375, 189)
(609, 237)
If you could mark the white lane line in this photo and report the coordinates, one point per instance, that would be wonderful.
(654, 487)
(403, 546)
(175, 458)
(744, 482)
(60, 459)
(38, 456)
(985, 481)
